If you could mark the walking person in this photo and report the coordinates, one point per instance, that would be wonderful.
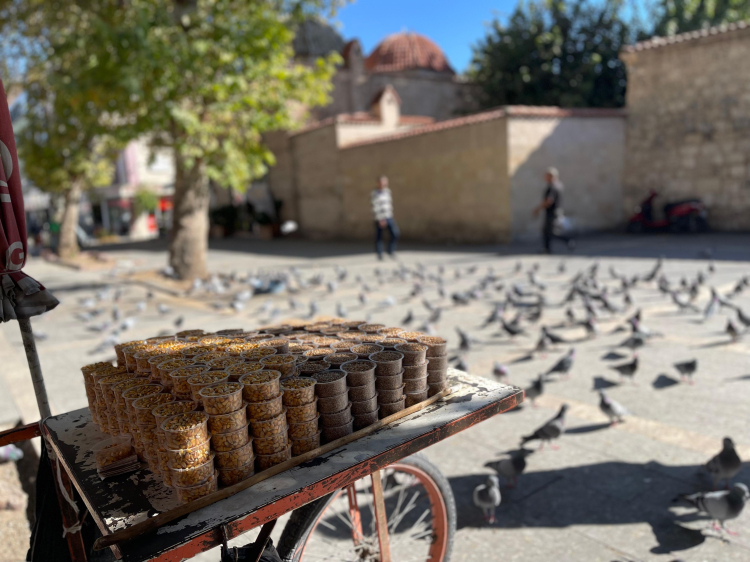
(552, 206)
(382, 209)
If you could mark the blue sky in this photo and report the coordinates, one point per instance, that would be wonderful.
(453, 24)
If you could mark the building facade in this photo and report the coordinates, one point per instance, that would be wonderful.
(688, 128)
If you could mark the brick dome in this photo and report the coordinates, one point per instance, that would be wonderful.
(407, 51)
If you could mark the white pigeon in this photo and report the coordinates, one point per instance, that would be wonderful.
(487, 497)
(611, 408)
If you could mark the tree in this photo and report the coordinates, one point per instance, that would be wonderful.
(678, 16)
(205, 78)
(551, 52)
(60, 152)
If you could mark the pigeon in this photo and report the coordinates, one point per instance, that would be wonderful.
(633, 342)
(612, 409)
(178, 321)
(465, 340)
(535, 390)
(686, 369)
(140, 306)
(712, 306)
(500, 371)
(552, 337)
(627, 369)
(163, 308)
(363, 298)
(553, 429)
(683, 303)
(494, 315)
(721, 506)
(744, 320)
(564, 365)
(654, 272)
(487, 497)
(462, 364)
(725, 465)
(731, 329)
(408, 318)
(590, 327)
(511, 467)
(511, 329)
(340, 310)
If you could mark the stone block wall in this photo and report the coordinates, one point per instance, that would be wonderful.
(588, 152)
(448, 185)
(688, 131)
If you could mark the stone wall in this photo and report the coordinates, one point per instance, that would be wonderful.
(587, 151)
(448, 185)
(688, 131)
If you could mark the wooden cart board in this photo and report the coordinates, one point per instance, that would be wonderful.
(126, 500)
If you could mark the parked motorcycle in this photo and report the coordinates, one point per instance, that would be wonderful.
(689, 215)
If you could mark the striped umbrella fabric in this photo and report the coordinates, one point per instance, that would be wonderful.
(22, 296)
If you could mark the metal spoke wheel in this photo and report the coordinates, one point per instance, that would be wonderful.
(404, 513)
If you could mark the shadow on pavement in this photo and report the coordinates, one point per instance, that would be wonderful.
(600, 383)
(608, 493)
(587, 428)
(664, 381)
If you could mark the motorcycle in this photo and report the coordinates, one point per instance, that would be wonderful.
(689, 215)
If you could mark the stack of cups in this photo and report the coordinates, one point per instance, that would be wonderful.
(360, 376)
(301, 403)
(189, 456)
(415, 372)
(261, 390)
(389, 381)
(437, 363)
(161, 414)
(333, 399)
(146, 428)
(228, 427)
(130, 396)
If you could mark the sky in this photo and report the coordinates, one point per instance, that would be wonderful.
(455, 25)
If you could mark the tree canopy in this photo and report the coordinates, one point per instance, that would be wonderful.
(554, 52)
(678, 16)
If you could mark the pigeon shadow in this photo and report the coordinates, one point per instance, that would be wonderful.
(600, 383)
(739, 379)
(613, 356)
(585, 494)
(523, 359)
(664, 381)
(587, 428)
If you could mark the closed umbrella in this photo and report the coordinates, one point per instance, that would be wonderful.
(22, 297)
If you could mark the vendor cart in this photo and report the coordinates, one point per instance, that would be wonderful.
(371, 499)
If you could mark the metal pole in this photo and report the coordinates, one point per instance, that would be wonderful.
(29, 346)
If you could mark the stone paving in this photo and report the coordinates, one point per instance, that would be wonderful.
(606, 494)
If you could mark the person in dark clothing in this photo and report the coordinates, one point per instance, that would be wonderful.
(552, 206)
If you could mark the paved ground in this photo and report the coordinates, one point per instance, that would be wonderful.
(605, 495)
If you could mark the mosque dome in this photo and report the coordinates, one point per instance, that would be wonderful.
(407, 51)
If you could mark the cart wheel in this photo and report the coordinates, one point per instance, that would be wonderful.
(420, 510)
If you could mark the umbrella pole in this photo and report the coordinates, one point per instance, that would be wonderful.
(29, 346)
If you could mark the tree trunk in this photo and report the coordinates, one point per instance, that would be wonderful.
(67, 246)
(189, 238)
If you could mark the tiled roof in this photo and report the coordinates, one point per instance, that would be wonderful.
(656, 42)
(507, 111)
(407, 51)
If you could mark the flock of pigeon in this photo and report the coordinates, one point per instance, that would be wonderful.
(585, 290)
(517, 312)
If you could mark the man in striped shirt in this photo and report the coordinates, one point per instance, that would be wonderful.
(382, 209)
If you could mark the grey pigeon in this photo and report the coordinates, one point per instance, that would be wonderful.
(408, 318)
(564, 365)
(162, 308)
(487, 497)
(553, 429)
(731, 329)
(494, 315)
(612, 409)
(712, 306)
(686, 369)
(725, 465)
(721, 506)
(535, 390)
(178, 321)
(510, 328)
(627, 369)
(465, 340)
(510, 468)
(552, 337)
(340, 310)
(743, 319)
